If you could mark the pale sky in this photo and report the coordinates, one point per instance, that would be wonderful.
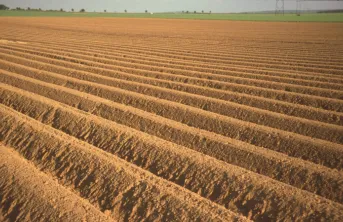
(168, 5)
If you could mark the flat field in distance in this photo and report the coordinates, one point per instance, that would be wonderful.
(305, 17)
(132, 119)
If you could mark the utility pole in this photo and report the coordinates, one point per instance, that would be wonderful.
(280, 7)
(298, 11)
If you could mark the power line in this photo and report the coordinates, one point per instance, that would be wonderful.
(280, 5)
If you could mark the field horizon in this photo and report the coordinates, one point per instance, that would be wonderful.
(287, 17)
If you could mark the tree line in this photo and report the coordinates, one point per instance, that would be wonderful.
(4, 7)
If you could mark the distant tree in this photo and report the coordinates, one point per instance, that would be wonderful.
(195, 12)
(28, 8)
(210, 12)
(61, 10)
(4, 7)
(187, 12)
(72, 10)
(39, 9)
(125, 11)
(183, 11)
(146, 11)
(105, 10)
(82, 10)
(202, 11)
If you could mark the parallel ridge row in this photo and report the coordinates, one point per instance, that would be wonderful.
(294, 47)
(234, 55)
(239, 75)
(192, 86)
(211, 134)
(234, 188)
(266, 65)
(114, 186)
(28, 194)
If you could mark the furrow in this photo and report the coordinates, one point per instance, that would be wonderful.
(220, 79)
(170, 120)
(191, 51)
(321, 181)
(205, 59)
(26, 194)
(107, 47)
(150, 51)
(253, 59)
(296, 98)
(189, 54)
(243, 73)
(292, 124)
(233, 187)
(233, 53)
(315, 150)
(239, 98)
(115, 186)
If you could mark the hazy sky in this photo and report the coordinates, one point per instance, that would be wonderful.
(166, 5)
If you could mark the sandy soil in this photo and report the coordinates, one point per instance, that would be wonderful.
(170, 120)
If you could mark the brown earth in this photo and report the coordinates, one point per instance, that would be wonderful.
(170, 120)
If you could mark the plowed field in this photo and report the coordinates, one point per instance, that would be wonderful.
(170, 120)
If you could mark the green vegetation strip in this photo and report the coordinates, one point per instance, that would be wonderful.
(314, 17)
